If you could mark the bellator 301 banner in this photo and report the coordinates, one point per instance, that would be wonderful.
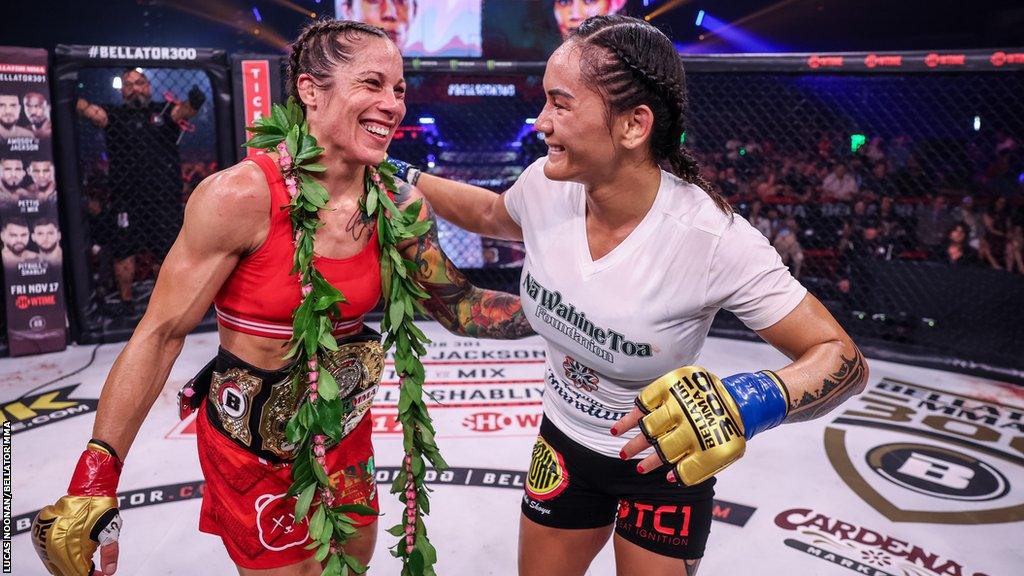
(29, 229)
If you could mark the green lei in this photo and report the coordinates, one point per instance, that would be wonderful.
(321, 412)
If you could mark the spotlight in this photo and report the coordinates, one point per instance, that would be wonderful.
(256, 14)
(977, 123)
(700, 18)
(426, 120)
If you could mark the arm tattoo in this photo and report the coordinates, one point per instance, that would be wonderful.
(458, 305)
(835, 389)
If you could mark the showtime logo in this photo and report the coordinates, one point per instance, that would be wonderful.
(932, 60)
(496, 421)
(873, 60)
(1001, 58)
(815, 61)
(24, 302)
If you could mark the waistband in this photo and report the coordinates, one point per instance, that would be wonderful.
(252, 406)
(247, 325)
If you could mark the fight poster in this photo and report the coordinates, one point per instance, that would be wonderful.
(29, 228)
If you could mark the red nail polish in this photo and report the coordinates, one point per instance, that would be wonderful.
(640, 468)
(622, 454)
(671, 476)
(615, 432)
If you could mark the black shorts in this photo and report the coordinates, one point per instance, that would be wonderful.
(570, 486)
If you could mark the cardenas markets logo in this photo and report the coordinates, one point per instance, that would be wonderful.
(861, 549)
(921, 454)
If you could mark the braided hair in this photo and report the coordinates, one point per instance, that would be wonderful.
(321, 47)
(637, 64)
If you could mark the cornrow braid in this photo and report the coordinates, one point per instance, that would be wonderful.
(321, 47)
(638, 65)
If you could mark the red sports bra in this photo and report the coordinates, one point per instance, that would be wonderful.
(261, 293)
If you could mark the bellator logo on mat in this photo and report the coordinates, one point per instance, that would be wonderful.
(921, 454)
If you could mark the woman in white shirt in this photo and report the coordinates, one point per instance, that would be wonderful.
(626, 265)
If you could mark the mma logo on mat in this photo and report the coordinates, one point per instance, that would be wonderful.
(35, 410)
(921, 454)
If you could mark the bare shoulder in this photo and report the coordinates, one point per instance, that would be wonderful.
(231, 206)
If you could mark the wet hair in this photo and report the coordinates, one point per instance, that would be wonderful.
(637, 64)
(321, 47)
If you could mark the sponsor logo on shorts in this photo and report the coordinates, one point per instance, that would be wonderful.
(35, 410)
(899, 441)
(861, 549)
(275, 522)
(356, 484)
(547, 477)
(657, 522)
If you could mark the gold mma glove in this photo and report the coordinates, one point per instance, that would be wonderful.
(701, 423)
(66, 534)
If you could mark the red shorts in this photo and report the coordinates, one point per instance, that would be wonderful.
(245, 504)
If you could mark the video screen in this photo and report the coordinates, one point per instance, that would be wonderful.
(422, 28)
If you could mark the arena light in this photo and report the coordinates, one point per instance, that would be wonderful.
(671, 4)
(116, 84)
(736, 36)
(700, 18)
(256, 14)
(977, 123)
(531, 121)
(856, 141)
(426, 120)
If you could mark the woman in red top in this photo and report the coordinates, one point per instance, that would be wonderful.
(235, 250)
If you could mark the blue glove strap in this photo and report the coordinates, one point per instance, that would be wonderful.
(762, 402)
(403, 167)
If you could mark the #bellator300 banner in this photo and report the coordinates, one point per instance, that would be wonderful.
(29, 229)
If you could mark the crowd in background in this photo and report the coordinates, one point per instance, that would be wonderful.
(827, 209)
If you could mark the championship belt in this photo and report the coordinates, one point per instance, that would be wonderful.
(252, 407)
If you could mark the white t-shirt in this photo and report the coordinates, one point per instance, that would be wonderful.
(613, 325)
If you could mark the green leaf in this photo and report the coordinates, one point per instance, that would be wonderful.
(327, 341)
(314, 167)
(371, 200)
(302, 505)
(416, 561)
(327, 386)
(292, 142)
(279, 117)
(328, 530)
(264, 128)
(316, 523)
(264, 141)
(360, 509)
(333, 567)
(396, 311)
(354, 564)
(319, 472)
(322, 551)
(397, 530)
